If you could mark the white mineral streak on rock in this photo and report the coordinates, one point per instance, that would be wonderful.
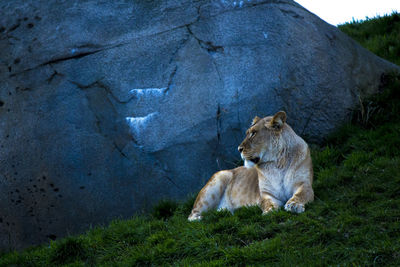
(151, 92)
(139, 124)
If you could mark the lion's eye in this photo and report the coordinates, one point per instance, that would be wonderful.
(252, 134)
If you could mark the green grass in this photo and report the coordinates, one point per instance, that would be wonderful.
(354, 220)
(380, 35)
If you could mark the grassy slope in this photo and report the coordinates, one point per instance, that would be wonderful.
(355, 218)
(381, 36)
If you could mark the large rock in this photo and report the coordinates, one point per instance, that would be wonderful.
(109, 106)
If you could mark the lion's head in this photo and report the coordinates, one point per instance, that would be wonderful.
(262, 142)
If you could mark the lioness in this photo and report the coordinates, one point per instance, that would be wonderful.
(277, 171)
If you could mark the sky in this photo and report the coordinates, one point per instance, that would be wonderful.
(340, 11)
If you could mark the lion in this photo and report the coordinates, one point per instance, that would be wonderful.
(277, 172)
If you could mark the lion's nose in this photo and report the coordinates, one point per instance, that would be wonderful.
(240, 148)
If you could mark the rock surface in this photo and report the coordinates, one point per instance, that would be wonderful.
(109, 106)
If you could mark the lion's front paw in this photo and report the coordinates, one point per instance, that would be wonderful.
(294, 207)
(265, 212)
(194, 217)
(269, 209)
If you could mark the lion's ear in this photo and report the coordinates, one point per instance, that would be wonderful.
(255, 120)
(278, 120)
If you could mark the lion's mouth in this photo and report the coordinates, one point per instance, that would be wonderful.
(254, 160)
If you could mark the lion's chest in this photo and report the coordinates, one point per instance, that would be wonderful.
(276, 182)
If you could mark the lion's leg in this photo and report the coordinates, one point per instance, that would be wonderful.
(211, 194)
(302, 195)
(269, 202)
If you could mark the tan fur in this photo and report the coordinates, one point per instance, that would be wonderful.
(281, 174)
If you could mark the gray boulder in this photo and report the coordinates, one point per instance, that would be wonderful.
(107, 107)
